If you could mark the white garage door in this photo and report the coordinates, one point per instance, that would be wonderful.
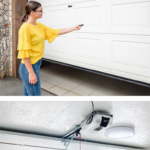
(115, 38)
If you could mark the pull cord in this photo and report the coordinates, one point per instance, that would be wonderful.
(80, 140)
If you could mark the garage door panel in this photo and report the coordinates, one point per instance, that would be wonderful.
(136, 14)
(130, 76)
(78, 1)
(57, 44)
(46, 48)
(115, 36)
(91, 49)
(57, 17)
(130, 17)
(98, 65)
(89, 62)
(9, 147)
(126, 1)
(131, 53)
(45, 2)
(55, 48)
(54, 56)
(37, 142)
(87, 15)
(86, 47)
(94, 46)
(131, 70)
(148, 79)
(44, 16)
(58, 2)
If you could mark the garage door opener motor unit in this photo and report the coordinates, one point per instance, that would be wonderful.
(94, 123)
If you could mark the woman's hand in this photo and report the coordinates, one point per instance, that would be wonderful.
(67, 30)
(32, 75)
(32, 78)
(78, 27)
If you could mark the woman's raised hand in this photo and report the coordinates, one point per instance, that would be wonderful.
(78, 27)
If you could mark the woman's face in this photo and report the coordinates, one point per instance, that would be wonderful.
(38, 12)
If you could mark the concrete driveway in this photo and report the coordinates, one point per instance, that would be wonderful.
(10, 86)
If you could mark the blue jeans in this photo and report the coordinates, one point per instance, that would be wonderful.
(28, 88)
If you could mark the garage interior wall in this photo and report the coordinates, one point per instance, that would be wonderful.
(5, 38)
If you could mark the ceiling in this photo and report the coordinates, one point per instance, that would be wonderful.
(56, 118)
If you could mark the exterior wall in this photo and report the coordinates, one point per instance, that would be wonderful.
(5, 38)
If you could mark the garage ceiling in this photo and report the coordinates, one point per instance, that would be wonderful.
(54, 119)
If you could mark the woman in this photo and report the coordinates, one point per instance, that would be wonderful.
(32, 36)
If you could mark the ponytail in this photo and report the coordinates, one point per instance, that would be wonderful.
(30, 6)
(24, 17)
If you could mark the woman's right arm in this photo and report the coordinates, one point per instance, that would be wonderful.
(32, 75)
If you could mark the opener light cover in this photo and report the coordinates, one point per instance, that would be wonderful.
(119, 132)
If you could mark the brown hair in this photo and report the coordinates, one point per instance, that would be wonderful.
(30, 6)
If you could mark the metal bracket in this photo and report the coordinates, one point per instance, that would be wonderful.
(74, 132)
(68, 141)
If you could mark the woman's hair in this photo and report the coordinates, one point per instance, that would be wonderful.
(30, 6)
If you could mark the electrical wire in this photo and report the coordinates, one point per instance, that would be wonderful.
(92, 105)
(89, 120)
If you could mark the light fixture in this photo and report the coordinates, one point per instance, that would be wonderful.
(119, 132)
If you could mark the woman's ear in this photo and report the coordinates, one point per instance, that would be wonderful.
(32, 13)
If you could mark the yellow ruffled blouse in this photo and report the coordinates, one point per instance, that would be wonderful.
(31, 40)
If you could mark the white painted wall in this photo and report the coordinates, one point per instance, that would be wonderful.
(115, 38)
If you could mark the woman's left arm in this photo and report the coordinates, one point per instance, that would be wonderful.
(67, 30)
